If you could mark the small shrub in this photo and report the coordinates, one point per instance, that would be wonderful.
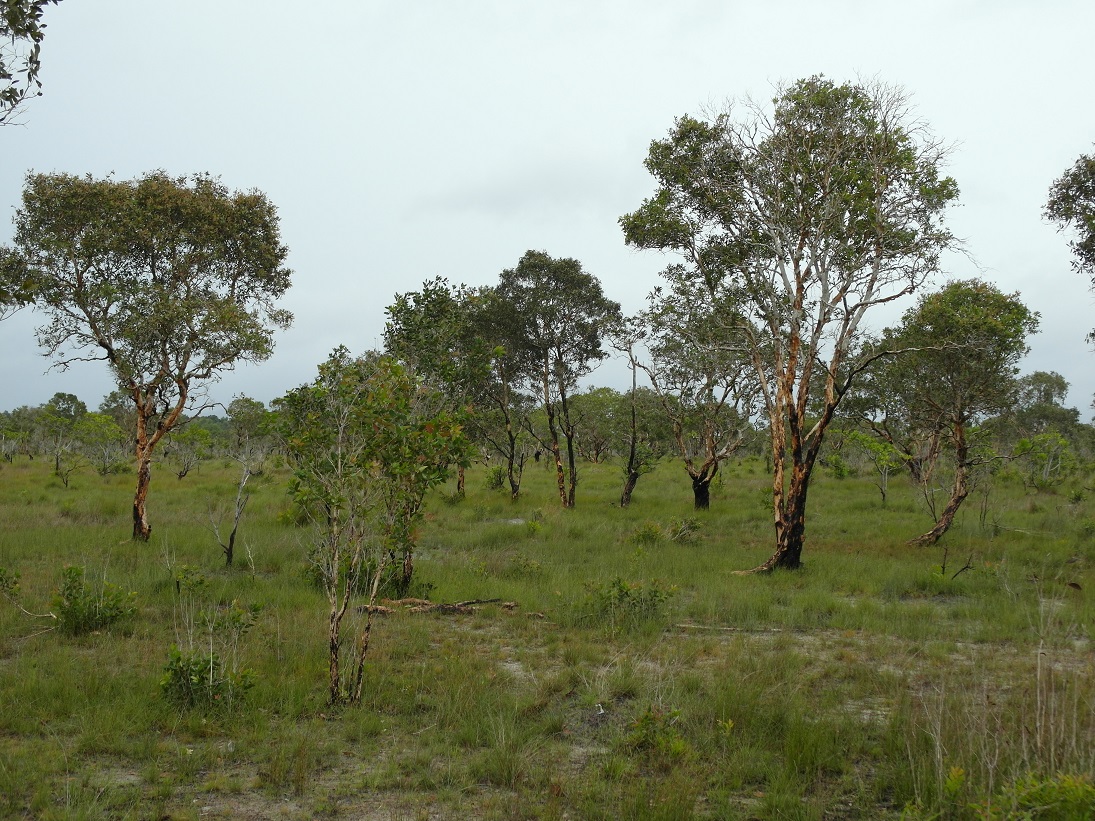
(496, 478)
(656, 735)
(1064, 797)
(838, 468)
(82, 609)
(203, 668)
(647, 533)
(683, 531)
(624, 605)
(202, 680)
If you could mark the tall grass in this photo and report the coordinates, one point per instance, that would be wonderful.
(878, 681)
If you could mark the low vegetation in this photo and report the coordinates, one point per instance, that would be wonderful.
(605, 662)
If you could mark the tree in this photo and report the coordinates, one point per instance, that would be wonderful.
(559, 315)
(437, 334)
(171, 281)
(699, 369)
(644, 441)
(963, 345)
(1071, 205)
(596, 417)
(251, 429)
(808, 217)
(57, 428)
(363, 459)
(21, 35)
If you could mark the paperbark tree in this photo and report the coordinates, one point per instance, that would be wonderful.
(700, 369)
(21, 35)
(811, 215)
(963, 345)
(560, 316)
(171, 281)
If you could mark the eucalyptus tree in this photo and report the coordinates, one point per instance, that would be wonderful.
(808, 215)
(700, 369)
(962, 346)
(21, 33)
(559, 316)
(169, 280)
(1071, 205)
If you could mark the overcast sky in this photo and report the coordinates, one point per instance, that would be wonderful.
(405, 140)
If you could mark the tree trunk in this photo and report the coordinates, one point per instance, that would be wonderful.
(460, 481)
(629, 487)
(790, 524)
(406, 572)
(142, 530)
(959, 491)
(334, 694)
(701, 490)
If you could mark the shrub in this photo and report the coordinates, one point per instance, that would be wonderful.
(647, 533)
(202, 680)
(82, 609)
(203, 667)
(656, 735)
(496, 478)
(623, 605)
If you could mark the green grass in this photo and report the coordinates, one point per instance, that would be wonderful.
(870, 684)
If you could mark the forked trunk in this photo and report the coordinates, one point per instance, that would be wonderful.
(701, 490)
(958, 493)
(790, 524)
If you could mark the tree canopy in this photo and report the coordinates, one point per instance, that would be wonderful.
(170, 280)
(21, 35)
(807, 215)
(1071, 205)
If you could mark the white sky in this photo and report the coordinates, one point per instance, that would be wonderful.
(406, 140)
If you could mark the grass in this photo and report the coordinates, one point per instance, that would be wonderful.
(637, 678)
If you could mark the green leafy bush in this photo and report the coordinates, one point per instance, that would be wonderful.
(81, 608)
(496, 478)
(624, 605)
(203, 667)
(657, 736)
(202, 680)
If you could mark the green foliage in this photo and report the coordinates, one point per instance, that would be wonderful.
(204, 668)
(1071, 205)
(1061, 797)
(837, 466)
(647, 533)
(656, 734)
(9, 583)
(681, 531)
(835, 191)
(621, 605)
(496, 478)
(1049, 459)
(82, 608)
(201, 680)
(21, 34)
(366, 442)
(112, 283)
